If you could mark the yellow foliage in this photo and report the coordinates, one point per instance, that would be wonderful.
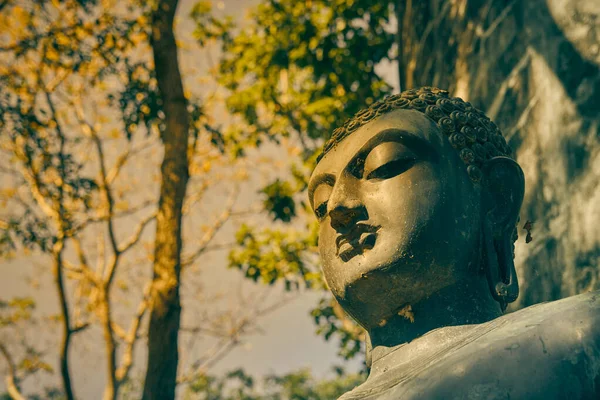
(52, 55)
(122, 205)
(20, 15)
(62, 39)
(8, 192)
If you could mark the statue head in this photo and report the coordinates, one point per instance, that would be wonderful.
(415, 195)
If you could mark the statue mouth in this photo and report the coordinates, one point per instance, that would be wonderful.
(360, 238)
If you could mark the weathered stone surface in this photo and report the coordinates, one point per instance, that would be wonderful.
(534, 66)
(546, 351)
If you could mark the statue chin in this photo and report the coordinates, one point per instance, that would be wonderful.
(377, 295)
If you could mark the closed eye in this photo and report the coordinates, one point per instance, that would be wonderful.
(391, 169)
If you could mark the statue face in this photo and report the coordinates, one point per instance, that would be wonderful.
(399, 217)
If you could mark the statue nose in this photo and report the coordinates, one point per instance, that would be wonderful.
(345, 206)
(344, 216)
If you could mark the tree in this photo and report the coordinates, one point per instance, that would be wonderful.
(301, 68)
(288, 77)
(165, 314)
(48, 47)
(81, 104)
(237, 385)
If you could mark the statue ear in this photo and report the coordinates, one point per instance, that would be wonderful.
(503, 191)
(502, 195)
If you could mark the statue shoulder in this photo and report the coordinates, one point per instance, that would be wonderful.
(547, 351)
(572, 314)
(526, 351)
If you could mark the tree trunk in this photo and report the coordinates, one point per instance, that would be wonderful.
(533, 66)
(164, 302)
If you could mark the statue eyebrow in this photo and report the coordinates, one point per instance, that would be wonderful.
(420, 146)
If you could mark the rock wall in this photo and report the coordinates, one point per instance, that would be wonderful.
(534, 67)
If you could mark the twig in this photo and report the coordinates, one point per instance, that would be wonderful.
(212, 231)
(135, 238)
(12, 382)
(523, 117)
(232, 339)
(486, 34)
(132, 336)
(122, 160)
(494, 108)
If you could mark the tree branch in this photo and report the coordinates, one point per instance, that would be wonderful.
(488, 32)
(131, 338)
(494, 109)
(135, 238)
(57, 254)
(122, 160)
(12, 382)
(232, 337)
(103, 218)
(212, 231)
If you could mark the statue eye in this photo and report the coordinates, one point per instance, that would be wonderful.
(387, 160)
(321, 210)
(320, 199)
(391, 169)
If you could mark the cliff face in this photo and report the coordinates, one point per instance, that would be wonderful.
(534, 67)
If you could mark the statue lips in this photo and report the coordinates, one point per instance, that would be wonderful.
(361, 237)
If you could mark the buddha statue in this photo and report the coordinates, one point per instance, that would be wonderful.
(418, 201)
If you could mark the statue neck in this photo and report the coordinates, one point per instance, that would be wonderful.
(459, 304)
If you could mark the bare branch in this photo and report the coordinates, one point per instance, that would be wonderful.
(232, 338)
(12, 382)
(431, 25)
(80, 327)
(132, 336)
(488, 32)
(202, 330)
(494, 108)
(122, 160)
(103, 218)
(83, 263)
(35, 186)
(523, 118)
(135, 238)
(218, 246)
(57, 254)
(119, 331)
(213, 230)
(108, 197)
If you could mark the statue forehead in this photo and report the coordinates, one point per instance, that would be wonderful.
(414, 122)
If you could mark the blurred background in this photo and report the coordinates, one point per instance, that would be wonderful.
(155, 240)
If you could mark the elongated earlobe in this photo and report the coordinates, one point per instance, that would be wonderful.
(503, 191)
(499, 266)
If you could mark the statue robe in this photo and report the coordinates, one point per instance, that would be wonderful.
(546, 351)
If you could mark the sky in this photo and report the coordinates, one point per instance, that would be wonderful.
(287, 339)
